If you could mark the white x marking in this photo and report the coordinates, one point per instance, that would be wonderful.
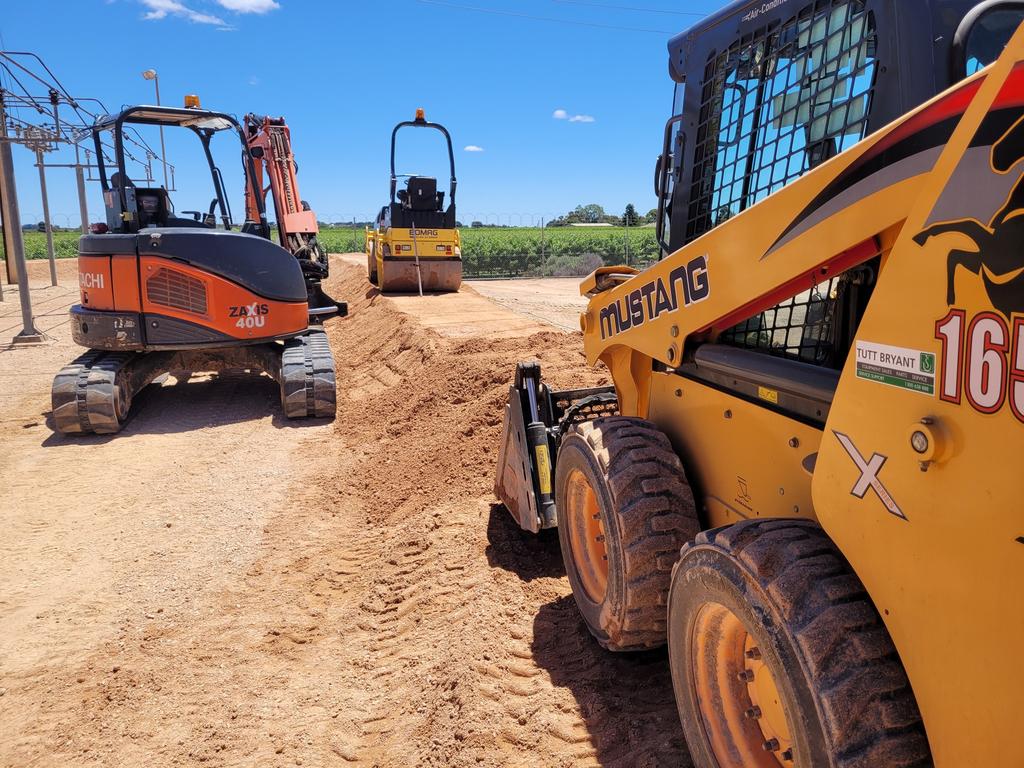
(869, 470)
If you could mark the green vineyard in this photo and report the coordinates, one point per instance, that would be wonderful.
(486, 252)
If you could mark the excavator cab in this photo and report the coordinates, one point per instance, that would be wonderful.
(415, 245)
(131, 208)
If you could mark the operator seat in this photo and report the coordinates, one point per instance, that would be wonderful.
(154, 208)
(421, 194)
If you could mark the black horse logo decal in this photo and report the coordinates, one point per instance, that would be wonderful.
(999, 258)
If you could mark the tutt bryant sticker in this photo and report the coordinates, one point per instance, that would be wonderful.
(910, 369)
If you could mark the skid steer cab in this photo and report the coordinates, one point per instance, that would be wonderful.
(805, 477)
(414, 245)
(163, 290)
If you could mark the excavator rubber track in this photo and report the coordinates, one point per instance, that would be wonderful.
(93, 393)
(307, 377)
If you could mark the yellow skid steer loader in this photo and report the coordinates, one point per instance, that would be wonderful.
(805, 478)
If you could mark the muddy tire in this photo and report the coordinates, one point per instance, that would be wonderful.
(624, 510)
(779, 657)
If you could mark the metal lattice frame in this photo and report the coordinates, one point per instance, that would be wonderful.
(774, 105)
(801, 328)
(778, 103)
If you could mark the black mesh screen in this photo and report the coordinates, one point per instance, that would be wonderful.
(802, 328)
(778, 103)
(774, 105)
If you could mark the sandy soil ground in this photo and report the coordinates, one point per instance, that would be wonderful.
(553, 300)
(218, 586)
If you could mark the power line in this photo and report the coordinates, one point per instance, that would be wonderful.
(632, 8)
(516, 14)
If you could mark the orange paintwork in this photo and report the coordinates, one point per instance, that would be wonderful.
(126, 283)
(277, 161)
(226, 301)
(95, 282)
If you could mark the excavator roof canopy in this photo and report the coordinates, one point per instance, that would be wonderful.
(173, 116)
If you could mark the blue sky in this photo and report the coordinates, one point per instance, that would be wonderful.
(566, 99)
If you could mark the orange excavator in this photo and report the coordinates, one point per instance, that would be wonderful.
(164, 292)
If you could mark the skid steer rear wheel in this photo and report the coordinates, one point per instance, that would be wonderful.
(779, 658)
(624, 510)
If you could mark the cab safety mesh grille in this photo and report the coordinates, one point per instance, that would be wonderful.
(779, 102)
(800, 328)
(171, 288)
(774, 105)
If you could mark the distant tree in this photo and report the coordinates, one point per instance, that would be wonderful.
(476, 224)
(592, 213)
(652, 216)
(630, 218)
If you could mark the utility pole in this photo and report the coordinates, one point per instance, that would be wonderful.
(46, 217)
(83, 207)
(12, 232)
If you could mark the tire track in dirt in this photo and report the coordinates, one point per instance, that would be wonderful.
(391, 614)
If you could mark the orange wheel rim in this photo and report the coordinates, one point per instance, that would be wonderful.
(587, 536)
(740, 706)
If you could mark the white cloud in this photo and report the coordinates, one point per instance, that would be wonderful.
(254, 80)
(249, 6)
(561, 114)
(161, 9)
(473, 148)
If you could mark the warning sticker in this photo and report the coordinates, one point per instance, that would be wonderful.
(896, 366)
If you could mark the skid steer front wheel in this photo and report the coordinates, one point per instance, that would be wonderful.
(624, 510)
(779, 658)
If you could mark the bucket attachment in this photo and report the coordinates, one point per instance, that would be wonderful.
(535, 420)
(439, 275)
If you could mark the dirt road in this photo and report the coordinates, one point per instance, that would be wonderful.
(218, 586)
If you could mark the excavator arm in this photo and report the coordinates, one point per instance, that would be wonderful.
(270, 145)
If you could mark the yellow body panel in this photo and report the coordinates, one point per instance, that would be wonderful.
(937, 535)
(766, 475)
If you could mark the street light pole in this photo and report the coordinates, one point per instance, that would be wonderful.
(150, 74)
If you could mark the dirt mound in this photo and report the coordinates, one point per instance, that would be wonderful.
(390, 613)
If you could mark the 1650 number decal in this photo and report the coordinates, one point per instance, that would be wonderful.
(982, 359)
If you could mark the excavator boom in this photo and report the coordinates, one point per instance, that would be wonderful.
(270, 146)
